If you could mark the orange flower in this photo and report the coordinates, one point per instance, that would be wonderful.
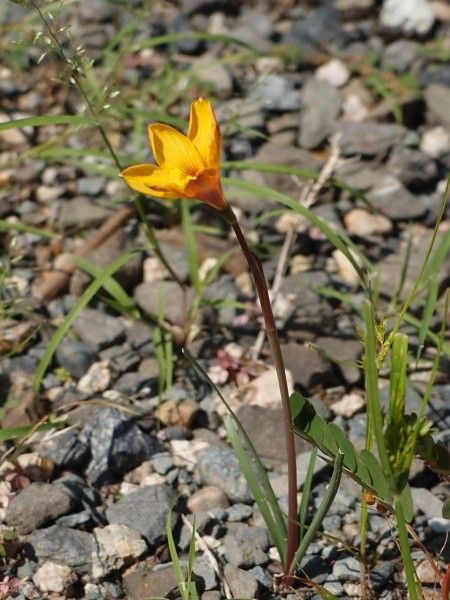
(187, 165)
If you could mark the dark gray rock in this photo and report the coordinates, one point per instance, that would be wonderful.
(262, 576)
(63, 545)
(346, 352)
(321, 106)
(277, 93)
(316, 568)
(307, 365)
(145, 510)
(75, 356)
(266, 431)
(98, 329)
(151, 295)
(81, 212)
(368, 138)
(150, 583)
(66, 450)
(117, 446)
(393, 200)
(321, 28)
(414, 168)
(245, 546)
(219, 466)
(243, 584)
(222, 288)
(36, 505)
(381, 574)
(400, 55)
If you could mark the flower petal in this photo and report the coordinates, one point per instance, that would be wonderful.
(170, 147)
(204, 132)
(157, 181)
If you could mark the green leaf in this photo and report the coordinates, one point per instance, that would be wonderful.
(82, 301)
(407, 503)
(173, 38)
(47, 120)
(427, 314)
(191, 245)
(397, 387)
(341, 241)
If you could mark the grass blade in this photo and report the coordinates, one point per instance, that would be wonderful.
(427, 314)
(306, 493)
(179, 575)
(47, 120)
(83, 301)
(191, 244)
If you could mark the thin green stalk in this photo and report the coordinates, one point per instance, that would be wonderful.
(269, 322)
(322, 511)
(364, 507)
(306, 493)
(405, 550)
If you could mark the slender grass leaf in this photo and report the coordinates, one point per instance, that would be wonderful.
(174, 38)
(427, 314)
(191, 245)
(47, 120)
(340, 241)
(83, 301)
(306, 493)
(178, 571)
(24, 228)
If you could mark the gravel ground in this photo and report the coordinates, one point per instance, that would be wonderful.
(88, 504)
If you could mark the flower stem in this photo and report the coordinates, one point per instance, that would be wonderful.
(269, 323)
(405, 550)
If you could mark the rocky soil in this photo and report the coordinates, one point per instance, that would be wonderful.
(83, 509)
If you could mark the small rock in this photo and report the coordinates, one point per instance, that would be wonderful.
(437, 99)
(37, 505)
(359, 221)
(322, 103)
(146, 583)
(91, 185)
(348, 405)
(204, 574)
(439, 525)
(149, 296)
(346, 569)
(207, 498)
(414, 168)
(427, 502)
(277, 93)
(52, 577)
(239, 512)
(45, 194)
(220, 467)
(411, 16)
(65, 450)
(321, 28)
(381, 574)
(368, 138)
(264, 390)
(75, 356)
(181, 413)
(96, 380)
(245, 546)
(80, 213)
(308, 366)
(117, 445)
(67, 546)
(98, 329)
(242, 583)
(435, 141)
(395, 201)
(346, 352)
(117, 545)
(144, 510)
(335, 72)
(215, 74)
(400, 55)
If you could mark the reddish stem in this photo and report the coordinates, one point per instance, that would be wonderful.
(269, 323)
(445, 584)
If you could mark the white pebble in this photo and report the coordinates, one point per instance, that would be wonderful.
(335, 72)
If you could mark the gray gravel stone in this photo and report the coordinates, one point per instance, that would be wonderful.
(117, 445)
(98, 329)
(37, 505)
(437, 100)
(220, 467)
(81, 212)
(414, 168)
(245, 546)
(307, 366)
(239, 512)
(91, 185)
(204, 574)
(150, 294)
(369, 138)
(381, 574)
(64, 545)
(66, 450)
(242, 583)
(321, 28)
(395, 201)
(346, 569)
(277, 93)
(400, 55)
(321, 106)
(75, 356)
(144, 510)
